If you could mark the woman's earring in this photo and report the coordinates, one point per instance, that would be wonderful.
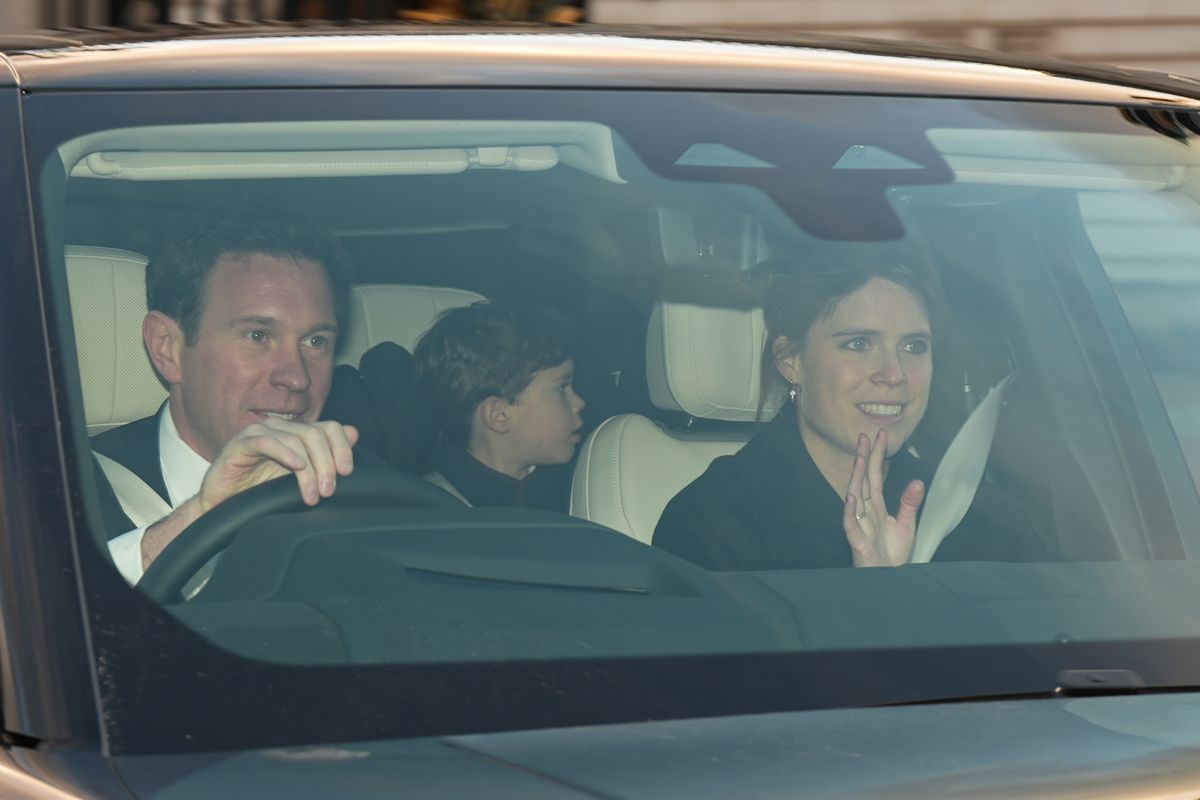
(792, 392)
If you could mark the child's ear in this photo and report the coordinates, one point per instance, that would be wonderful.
(494, 414)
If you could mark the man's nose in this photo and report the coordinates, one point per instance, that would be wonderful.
(290, 370)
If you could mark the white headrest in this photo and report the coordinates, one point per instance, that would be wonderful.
(108, 304)
(704, 359)
(630, 468)
(395, 313)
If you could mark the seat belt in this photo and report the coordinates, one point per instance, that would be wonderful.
(144, 507)
(959, 474)
(140, 503)
(439, 480)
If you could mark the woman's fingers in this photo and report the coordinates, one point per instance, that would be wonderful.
(877, 455)
(856, 490)
(910, 502)
(854, 532)
(875, 537)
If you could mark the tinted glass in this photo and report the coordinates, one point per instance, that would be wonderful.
(655, 224)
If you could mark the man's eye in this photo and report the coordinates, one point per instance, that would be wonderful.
(318, 342)
(258, 337)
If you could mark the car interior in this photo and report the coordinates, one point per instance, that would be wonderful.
(664, 279)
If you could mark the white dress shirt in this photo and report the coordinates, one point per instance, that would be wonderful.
(183, 471)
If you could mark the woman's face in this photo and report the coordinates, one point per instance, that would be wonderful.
(865, 367)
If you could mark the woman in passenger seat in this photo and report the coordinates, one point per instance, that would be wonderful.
(498, 378)
(829, 481)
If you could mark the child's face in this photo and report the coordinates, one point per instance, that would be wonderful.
(545, 417)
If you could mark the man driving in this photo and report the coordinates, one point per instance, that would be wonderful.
(244, 310)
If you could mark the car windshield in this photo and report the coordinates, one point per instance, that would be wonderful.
(1054, 376)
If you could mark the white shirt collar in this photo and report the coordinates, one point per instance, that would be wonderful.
(183, 469)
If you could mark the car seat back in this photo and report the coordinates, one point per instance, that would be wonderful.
(400, 313)
(108, 303)
(703, 350)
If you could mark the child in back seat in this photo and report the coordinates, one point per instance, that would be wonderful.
(497, 376)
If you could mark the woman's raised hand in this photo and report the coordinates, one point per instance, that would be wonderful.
(876, 538)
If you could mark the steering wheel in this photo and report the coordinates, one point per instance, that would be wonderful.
(212, 533)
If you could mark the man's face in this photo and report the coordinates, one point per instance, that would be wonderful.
(264, 348)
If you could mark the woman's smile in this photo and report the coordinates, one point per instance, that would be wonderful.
(885, 412)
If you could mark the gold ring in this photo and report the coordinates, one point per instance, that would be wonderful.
(865, 499)
(859, 516)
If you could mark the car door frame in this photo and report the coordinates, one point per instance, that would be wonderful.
(47, 686)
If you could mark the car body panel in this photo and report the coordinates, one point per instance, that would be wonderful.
(48, 691)
(8, 76)
(576, 60)
(1098, 747)
(1082, 747)
(59, 773)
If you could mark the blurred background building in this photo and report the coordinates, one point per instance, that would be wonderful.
(1160, 35)
(18, 15)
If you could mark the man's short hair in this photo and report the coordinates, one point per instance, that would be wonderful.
(177, 274)
(488, 349)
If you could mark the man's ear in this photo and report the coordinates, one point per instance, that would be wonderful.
(164, 342)
(495, 413)
(787, 359)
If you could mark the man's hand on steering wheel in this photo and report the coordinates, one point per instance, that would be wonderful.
(316, 453)
(214, 531)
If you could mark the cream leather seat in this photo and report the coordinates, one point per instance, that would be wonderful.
(701, 359)
(399, 313)
(108, 302)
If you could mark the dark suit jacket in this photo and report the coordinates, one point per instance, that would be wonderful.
(136, 447)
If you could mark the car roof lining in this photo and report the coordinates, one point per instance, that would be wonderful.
(1065, 159)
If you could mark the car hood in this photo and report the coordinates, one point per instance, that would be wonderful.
(1096, 747)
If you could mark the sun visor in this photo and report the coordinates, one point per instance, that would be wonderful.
(340, 148)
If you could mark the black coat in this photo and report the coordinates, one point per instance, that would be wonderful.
(547, 487)
(769, 507)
